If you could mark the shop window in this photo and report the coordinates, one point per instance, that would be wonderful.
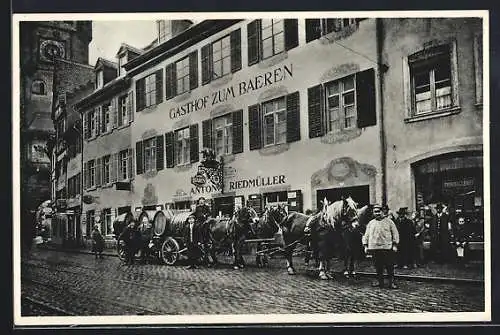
(107, 224)
(276, 198)
(182, 205)
(275, 122)
(38, 87)
(221, 57)
(269, 37)
(342, 104)
(182, 75)
(432, 82)
(315, 28)
(149, 90)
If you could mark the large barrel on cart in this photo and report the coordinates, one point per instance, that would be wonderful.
(119, 224)
(173, 243)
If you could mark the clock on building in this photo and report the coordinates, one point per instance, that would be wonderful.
(50, 49)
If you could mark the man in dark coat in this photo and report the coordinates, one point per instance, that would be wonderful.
(130, 237)
(193, 236)
(440, 231)
(202, 211)
(407, 233)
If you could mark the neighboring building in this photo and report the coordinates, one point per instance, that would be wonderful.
(40, 44)
(107, 153)
(288, 104)
(433, 114)
(72, 81)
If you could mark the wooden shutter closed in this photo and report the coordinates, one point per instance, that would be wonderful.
(253, 35)
(98, 172)
(193, 70)
(114, 168)
(315, 111)
(206, 130)
(235, 50)
(140, 94)
(293, 117)
(97, 115)
(130, 163)
(365, 98)
(130, 106)
(238, 131)
(170, 81)
(139, 161)
(194, 143)
(169, 149)
(115, 112)
(255, 126)
(206, 64)
(159, 153)
(159, 86)
(291, 33)
(85, 176)
(85, 126)
(313, 29)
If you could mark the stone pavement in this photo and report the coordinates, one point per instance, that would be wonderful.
(79, 284)
(473, 271)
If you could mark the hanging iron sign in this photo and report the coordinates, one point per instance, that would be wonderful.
(209, 170)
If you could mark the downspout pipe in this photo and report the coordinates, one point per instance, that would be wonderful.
(382, 69)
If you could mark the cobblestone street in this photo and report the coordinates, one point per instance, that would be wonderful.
(57, 283)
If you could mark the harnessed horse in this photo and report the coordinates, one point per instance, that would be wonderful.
(220, 234)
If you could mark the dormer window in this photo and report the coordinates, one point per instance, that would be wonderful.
(122, 60)
(99, 79)
(164, 30)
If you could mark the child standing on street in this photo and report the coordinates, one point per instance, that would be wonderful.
(97, 242)
(381, 240)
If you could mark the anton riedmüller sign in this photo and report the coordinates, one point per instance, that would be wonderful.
(257, 82)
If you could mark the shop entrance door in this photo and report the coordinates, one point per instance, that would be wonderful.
(224, 206)
(360, 194)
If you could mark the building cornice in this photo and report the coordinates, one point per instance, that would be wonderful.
(113, 87)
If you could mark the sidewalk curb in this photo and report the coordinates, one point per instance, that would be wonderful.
(451, 280)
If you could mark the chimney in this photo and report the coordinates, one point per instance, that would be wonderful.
(168, 29)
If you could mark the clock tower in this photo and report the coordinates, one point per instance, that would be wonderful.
(41, 43)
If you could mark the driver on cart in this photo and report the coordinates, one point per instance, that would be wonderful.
(202, 211)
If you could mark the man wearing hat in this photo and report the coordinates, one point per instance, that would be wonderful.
(381, 239)
(193, 238)
(202, 211)
(440, 231)
(407, 233)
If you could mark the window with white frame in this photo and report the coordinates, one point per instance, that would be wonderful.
(273, 37)
(91, 124)
(106, 117)
(123, 109)
(274, 121)
(182, 71)
(91, 168)
(223, 134)
(99, 79)
(341, 104)
(122, 59)
(221, 57)
(150, 154)
(107, 225)
(431, 80)
(124, 165)
(182, 150)
(150, 90)
(106, 169)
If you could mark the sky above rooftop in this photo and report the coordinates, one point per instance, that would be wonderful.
(109, 35)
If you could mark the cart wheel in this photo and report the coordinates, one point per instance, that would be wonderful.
(170, 251)
(120, 249)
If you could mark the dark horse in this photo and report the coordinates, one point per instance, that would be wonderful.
(292, 225)
(349, 224)
(221, 234)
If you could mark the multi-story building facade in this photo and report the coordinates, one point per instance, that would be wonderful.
(433, 114)
(107, 153)
(73, 82)
(40, 44)
(288, 104)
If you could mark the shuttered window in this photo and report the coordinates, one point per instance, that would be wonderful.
(123, 166)
(269, 37)
(139, 161)
(106, 119)
(182, 146)
(224, 134)
(91, 176)
(150, 154)
(123, 107)
(221, 57)
(149, 90)
(106, 169)
(315, 28)
(275, 122)
(342, 104)
(159, 153)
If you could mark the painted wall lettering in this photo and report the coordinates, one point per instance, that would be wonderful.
(257, 182)
(227, 93)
